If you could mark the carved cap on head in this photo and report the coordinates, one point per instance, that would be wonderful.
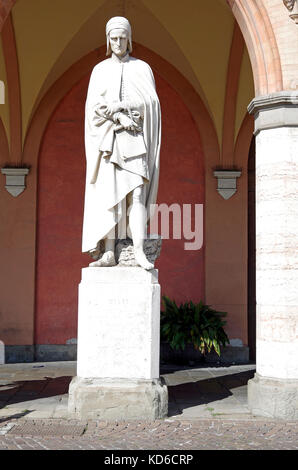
(118, 22)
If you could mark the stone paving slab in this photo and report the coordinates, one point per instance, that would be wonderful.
(41, 388)
(157, 435)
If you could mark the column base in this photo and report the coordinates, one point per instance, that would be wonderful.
(273, 398)
(117, 399)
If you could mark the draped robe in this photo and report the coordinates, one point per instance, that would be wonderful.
(114, 167)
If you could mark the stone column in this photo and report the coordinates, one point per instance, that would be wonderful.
(118, 346)
(273, 392)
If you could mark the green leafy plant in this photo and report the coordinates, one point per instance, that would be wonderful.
(197, 324)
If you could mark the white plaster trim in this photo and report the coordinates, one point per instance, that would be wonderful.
(280, 98)
(15, 180)
(275, 110)
(227, 182)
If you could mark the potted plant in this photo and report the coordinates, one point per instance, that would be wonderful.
(191, 325)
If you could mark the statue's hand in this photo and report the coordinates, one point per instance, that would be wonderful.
(113, 108)
(127, 123)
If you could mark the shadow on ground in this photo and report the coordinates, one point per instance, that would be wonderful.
(192, 392)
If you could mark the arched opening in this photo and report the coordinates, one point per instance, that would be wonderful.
(51, 96)
(254, 22)
(61, 181)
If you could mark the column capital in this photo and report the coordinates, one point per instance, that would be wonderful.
(278, 109)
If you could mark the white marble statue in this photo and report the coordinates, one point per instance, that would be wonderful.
(122, 141)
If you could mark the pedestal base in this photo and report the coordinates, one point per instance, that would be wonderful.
(118, 346)
(117, 399)
(273, 398)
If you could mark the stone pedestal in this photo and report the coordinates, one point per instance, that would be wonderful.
(274, 390)
(118, 346)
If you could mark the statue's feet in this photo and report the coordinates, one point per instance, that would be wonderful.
(107, 260)
(142, 260)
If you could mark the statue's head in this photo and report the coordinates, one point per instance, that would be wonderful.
(118, 32)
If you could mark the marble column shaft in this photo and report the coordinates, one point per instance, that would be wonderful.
(274, 390)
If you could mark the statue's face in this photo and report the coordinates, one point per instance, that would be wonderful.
(119, 41)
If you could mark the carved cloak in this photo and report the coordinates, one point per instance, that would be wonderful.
(109, 176)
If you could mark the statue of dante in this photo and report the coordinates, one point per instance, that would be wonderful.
(122, 141)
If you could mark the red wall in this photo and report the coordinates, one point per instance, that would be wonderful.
(60, 210)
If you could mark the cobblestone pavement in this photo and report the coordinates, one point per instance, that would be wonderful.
(207, 410)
